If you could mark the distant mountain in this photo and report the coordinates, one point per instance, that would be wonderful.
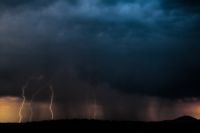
(186, 119)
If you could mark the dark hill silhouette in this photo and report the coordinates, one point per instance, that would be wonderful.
(186, 119)
(186, 123)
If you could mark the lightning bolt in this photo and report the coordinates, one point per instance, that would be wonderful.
(37, 92)
(23, 101)
(51, 95)
(22, 105)
(24, 97)
(51, 102)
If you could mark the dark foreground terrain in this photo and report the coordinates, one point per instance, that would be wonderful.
(184, 123)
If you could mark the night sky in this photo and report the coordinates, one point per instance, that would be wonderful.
(105, 59)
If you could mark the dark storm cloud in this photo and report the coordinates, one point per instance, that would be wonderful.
(187, 5)
(135, 46)
(16, 3)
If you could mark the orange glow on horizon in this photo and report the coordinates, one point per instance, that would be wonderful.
(194, 111)
(9, 108)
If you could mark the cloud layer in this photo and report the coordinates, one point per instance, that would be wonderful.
(133, 46)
